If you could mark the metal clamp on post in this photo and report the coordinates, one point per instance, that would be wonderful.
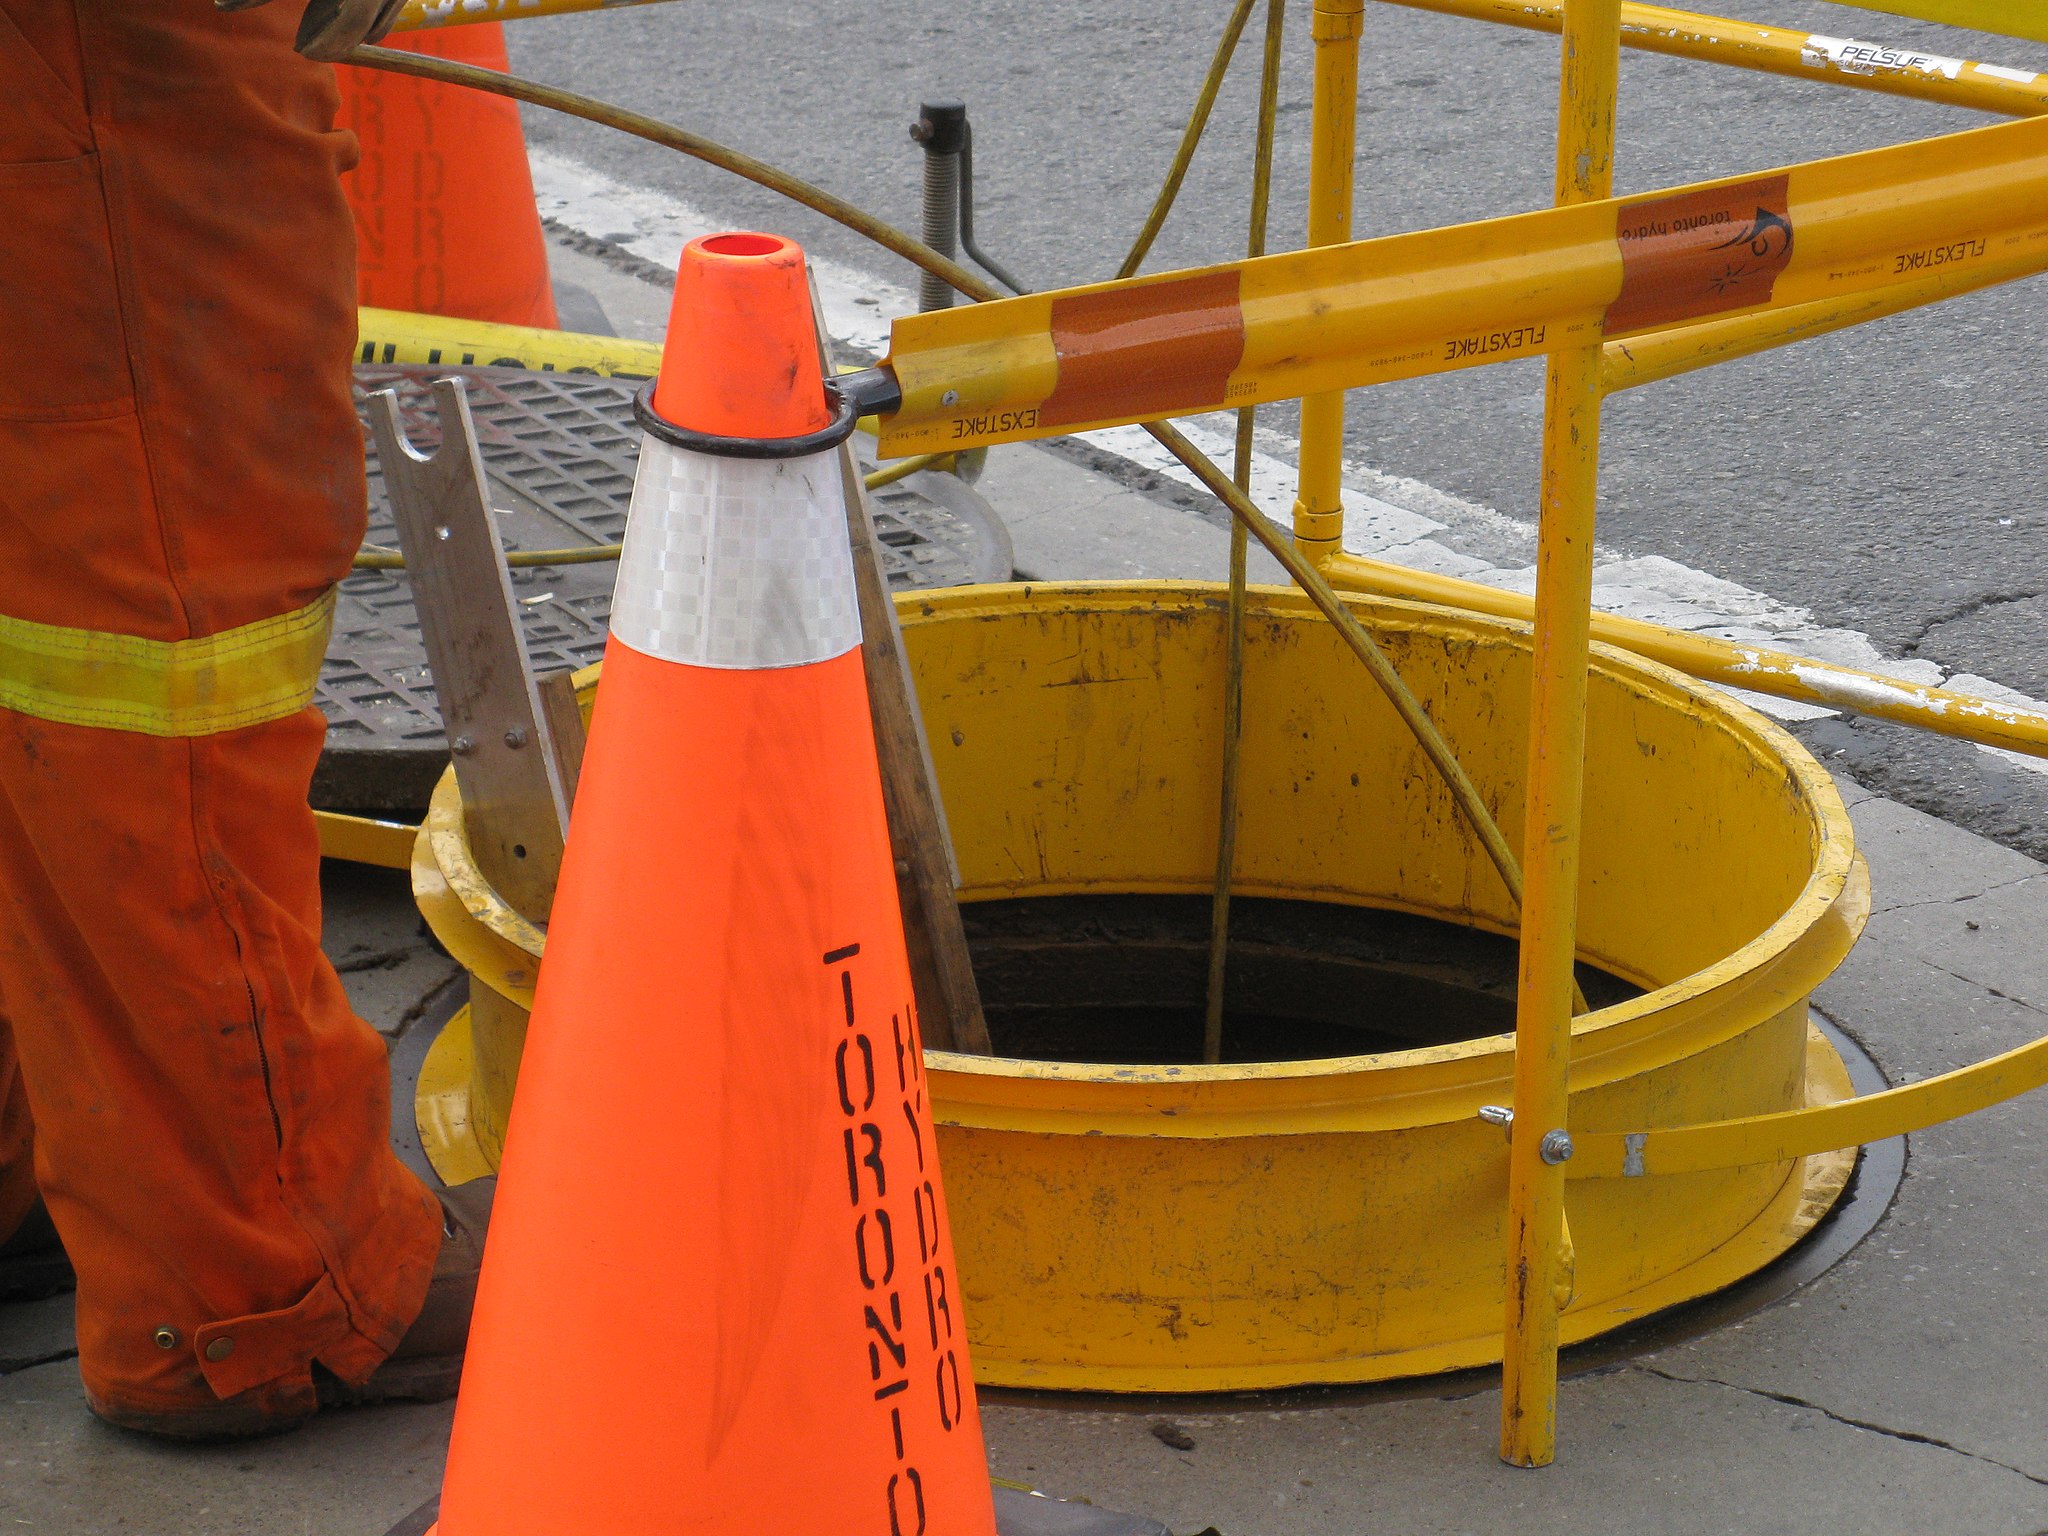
(874, 390)
(1555, 1147)
(948, 139)
(941, 127)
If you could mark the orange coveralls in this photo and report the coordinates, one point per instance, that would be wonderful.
(179, 458)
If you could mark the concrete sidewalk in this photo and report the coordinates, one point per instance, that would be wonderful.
(1901, 1391)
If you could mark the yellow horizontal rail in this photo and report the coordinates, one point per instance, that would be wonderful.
(419, 15)
(2013, 18)
(1337, 317)
(393, 336)
(365, 840)
(1958, 715)
(1803, 1132)
(1666, 354)
(1863, 66)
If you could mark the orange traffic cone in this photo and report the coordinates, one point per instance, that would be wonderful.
(719, 1293)
(443, 196)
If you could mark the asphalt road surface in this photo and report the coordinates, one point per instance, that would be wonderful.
(1890, 478)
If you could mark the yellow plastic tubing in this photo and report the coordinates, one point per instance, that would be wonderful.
(1309, 322)
(1846, 61)
(393, 336)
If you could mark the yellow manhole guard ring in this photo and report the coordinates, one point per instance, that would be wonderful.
(1143, 1225)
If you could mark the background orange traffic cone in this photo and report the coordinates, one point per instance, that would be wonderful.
(719, 1293)
(443, 197)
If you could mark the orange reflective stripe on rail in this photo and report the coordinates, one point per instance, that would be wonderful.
(1133, 352)
(1342, 316)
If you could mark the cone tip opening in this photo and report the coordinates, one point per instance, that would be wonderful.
(744, 243)
(741, 355)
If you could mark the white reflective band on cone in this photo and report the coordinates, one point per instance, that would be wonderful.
(736, 563)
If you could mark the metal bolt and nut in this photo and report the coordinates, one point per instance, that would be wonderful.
(462, 746)
(516, 737)
(1554, 1148)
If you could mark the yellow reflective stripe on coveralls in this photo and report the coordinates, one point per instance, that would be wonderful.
(198, 687)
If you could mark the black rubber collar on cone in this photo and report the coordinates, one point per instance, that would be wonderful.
(845, 412)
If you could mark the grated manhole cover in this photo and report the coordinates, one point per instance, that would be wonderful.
(559, 450)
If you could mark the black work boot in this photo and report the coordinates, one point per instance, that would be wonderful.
(32, 1259)
(427, 1365)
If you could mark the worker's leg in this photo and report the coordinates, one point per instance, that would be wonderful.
(17, 1142)
(182, 460)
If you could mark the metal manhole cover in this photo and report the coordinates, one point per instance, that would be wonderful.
(559, 450)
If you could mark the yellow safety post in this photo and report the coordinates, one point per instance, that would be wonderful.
(1336, 26)
(1864, 66)
(1538, 1143)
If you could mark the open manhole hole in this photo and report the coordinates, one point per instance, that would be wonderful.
(559, 450)
(1123, 979)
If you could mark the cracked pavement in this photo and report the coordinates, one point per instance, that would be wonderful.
(1911, 1437)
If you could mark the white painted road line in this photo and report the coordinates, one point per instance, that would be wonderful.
(1402, 521)
(656, 227)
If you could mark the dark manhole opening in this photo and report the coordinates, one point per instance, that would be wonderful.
(1121, 979)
